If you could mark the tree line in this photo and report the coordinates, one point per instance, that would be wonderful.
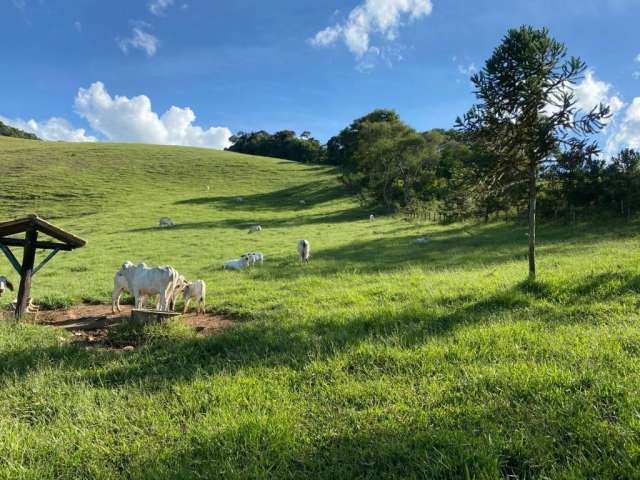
(8, 131)
(524, 147)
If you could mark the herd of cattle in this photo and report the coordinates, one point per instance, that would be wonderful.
(165, 284)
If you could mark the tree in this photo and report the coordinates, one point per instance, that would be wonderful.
(283, 144)
(8, 131)
(527, 113)
(341, 148)
(391, 156)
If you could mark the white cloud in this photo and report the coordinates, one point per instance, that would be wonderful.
(382, 17)
(159, 7)
(636, 75)
(627, 133)
(141, 39)
(125, 119)
(55, 129)
(591, 92)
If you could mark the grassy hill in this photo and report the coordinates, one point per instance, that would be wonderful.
(381, 358)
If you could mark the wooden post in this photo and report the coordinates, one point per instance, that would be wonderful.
(26, 272)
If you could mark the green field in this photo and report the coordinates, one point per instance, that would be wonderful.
(379, 359)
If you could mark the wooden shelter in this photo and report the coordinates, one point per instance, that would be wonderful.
(31, 226)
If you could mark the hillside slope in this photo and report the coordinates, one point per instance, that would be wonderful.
(381, 358)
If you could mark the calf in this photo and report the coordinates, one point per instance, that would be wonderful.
(254, 257)
(255, 229)
(304, 250)
(120, 285)
(195, 291)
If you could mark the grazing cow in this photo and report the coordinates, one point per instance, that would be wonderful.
(422, 240)
(166, 222)
(144, 281)
(304, 250)
(180, 285)
(197, 291)
(237, 264)
(255, 229)
(372, 218)
(5, 284)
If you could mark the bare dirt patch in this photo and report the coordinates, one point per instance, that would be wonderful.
(91, 324)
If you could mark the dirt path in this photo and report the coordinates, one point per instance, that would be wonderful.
(90, 324)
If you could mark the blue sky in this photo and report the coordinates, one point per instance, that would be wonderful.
(294, 64)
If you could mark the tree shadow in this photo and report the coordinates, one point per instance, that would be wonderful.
(272, 344)
(312, 194)
(341, 216)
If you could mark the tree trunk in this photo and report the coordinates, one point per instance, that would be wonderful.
(532, 220)
(28, 259)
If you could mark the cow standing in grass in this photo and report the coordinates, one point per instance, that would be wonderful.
(304, 250)
(148, 282)
(197, 291)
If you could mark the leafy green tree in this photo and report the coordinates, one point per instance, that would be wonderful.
(283, 144)
(392, 156)
(341, 148)
(527, 112)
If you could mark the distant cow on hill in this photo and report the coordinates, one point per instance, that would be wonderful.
(304, 250)
(166, 222)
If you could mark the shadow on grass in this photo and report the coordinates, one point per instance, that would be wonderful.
(312, 194)
(342, 216)
(165, 360)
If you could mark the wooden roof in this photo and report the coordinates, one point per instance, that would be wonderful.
(33, 221)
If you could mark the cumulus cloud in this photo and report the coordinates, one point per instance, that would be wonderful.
(591, 92)
(55, 129)
(159, 7)
(373, 17)
(141, 39)
(627, 133)
(124, 119)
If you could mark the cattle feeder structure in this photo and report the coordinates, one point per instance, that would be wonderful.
(31, 226)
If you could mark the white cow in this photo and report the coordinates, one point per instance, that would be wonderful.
(237, 264)
(255, 257)
(197, 291)
(304, 250)
(5, 284)
(372, 218)
(149, 282)
(255, 229)
(120, 285)
(166, 222)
